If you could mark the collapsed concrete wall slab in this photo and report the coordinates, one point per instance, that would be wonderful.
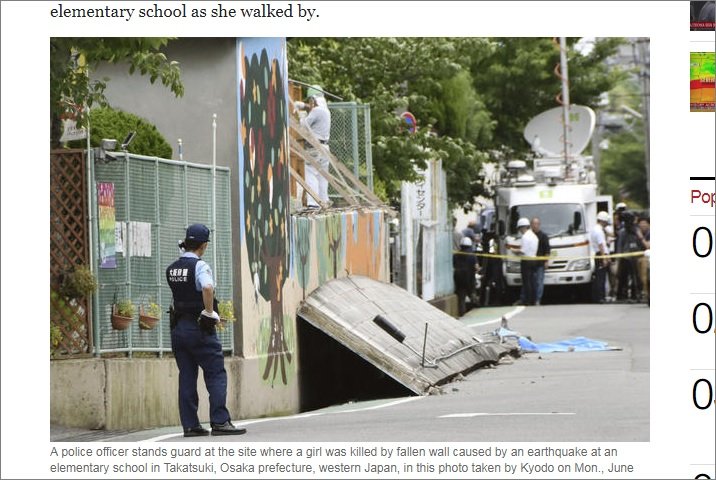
(386, 326)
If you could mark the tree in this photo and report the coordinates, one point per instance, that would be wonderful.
(398, 74)
(471, 97)
(622, 171)
(71, 59)
(517, 81)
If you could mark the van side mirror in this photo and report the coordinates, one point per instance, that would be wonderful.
(501, 227)
(577, 221)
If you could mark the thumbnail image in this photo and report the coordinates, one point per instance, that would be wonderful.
(703, 88)
(703, 16)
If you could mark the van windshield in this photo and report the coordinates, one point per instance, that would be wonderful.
(555, 218)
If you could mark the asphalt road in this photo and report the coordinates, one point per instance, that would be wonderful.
(572, 396)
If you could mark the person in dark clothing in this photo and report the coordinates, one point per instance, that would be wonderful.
(464, 265)
(627, 273)
(598, 248)
(543, 250)
(193, 319)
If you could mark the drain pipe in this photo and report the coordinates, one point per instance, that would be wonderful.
(91, 192)
(213, 193)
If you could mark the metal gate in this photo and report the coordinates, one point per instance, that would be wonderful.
(154, 201)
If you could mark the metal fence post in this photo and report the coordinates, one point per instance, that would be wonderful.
(128, 253)
(368, 151)
(354, 139)
(157, 220)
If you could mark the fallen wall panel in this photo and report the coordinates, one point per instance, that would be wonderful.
(346, 309)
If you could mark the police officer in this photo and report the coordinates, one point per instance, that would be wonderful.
(194, 342)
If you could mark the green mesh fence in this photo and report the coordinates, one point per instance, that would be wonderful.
(154, 192)
(350, 140)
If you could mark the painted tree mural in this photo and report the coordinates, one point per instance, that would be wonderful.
(264, 136)
(330, 244)
(302, 236)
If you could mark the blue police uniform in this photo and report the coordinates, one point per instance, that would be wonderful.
(196, 344)
(194, 348)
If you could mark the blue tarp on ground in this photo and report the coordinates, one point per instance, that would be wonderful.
(577, 344)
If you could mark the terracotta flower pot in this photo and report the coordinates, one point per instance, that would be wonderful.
(119, 322)
(146, 322)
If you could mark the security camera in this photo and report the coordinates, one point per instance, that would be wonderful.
(128, 139)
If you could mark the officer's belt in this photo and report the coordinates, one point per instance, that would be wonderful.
(188, 306)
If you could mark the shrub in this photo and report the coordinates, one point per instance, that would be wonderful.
(78, 283)
(111, 123)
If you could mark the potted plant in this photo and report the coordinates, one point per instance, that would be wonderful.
(122, 314)
(149, 317)
(226, 313)
(78, 283)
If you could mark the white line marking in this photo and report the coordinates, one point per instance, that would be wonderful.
(163, 437)
(508, 315)
(330, 410)
(376, 407)
(506, 414)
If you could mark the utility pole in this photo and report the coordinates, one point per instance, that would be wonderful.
(640, 49)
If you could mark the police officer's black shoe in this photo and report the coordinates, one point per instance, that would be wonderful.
(226, 428)
(196, 432)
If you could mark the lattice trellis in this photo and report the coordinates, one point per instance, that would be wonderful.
(68, 248)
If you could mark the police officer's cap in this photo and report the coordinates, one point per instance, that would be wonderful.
(198, 233)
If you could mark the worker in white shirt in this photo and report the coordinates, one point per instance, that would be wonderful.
(528, 250)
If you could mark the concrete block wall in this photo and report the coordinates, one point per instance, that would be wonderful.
(118, 394)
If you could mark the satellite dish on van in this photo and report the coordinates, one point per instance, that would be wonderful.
(545, 131)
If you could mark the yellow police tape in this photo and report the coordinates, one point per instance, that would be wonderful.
(524, 257)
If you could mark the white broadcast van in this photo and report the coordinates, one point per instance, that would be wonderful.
(561, 190)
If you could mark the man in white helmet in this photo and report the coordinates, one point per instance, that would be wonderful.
(318, 121)
(528, 249)
(598, 247)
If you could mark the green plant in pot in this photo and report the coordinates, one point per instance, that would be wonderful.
(226, 313)
(122, 314)
(149, 316)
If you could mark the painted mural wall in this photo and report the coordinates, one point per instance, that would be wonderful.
(283, 257)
